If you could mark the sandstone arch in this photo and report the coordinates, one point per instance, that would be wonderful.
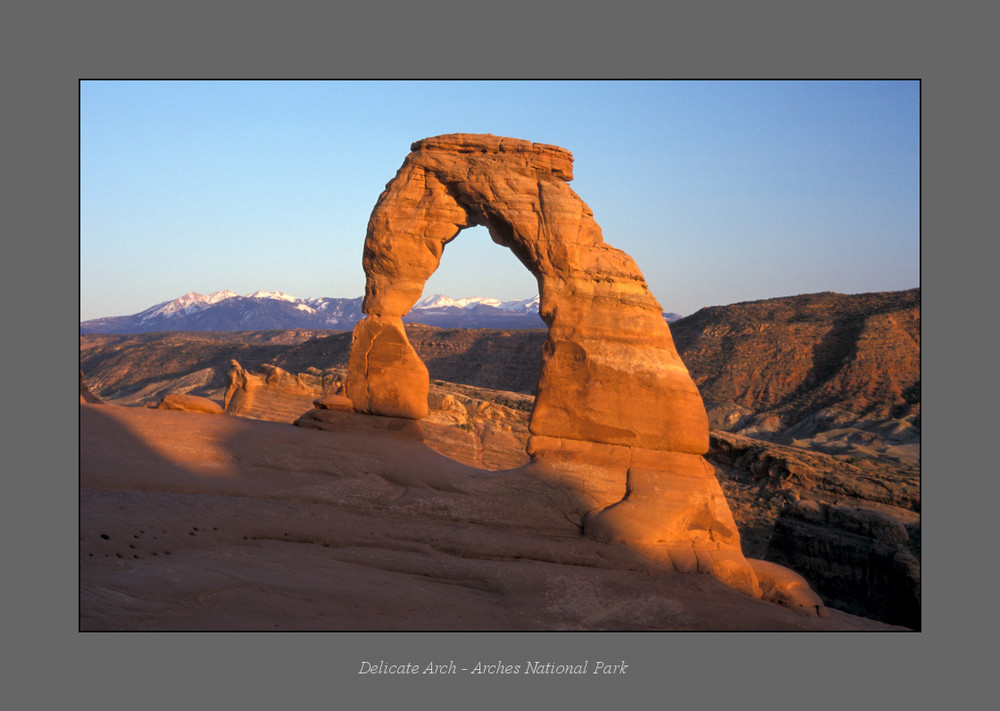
(616, 411)
(608, 347)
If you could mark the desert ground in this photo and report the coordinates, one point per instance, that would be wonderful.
(192, 521)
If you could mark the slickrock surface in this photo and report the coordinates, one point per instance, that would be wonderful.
(487, 429)
(190, 403)
(461, 425)
(612, 388)
(190, 521)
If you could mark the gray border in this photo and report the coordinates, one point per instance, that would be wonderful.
(946, 49)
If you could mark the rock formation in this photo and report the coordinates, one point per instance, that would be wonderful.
(788, 588)
(606, 330)
(775, 346)
(486, 429)
(190, 403)
(861, 561)
(85, 395)
(274, 394)
(773, 476)
(616, 415)
(836, 372)
(850, 529)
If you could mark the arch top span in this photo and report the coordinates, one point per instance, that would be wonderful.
(610, 372)
(542, 158)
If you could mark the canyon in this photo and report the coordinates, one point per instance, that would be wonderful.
(605, 459)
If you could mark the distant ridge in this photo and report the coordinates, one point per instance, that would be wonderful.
(836, 372)
(807, 363)
(275, 310)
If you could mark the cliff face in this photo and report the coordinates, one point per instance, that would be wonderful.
(858, 560)
(793, 367)
(850, 527)
(486, 358)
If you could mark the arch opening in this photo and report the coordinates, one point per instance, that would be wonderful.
(482, 345)
(474, 264)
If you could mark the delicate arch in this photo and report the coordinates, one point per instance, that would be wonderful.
(617, 418)
(610, 372)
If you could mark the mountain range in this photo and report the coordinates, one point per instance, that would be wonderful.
(274, 310)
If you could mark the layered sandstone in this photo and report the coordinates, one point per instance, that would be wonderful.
(385, 375)
(834, 372)
(862, 561)
(608, 346)
(616, 413)
(481, 428)
(272, 393)
(850, 528)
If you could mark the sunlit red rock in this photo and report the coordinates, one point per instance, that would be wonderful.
(385, 375)
(608, 347)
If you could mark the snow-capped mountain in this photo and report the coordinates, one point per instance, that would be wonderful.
(274, 310)
(188, 304)
(440, 301)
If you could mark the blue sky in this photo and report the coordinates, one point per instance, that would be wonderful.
(721, 191)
